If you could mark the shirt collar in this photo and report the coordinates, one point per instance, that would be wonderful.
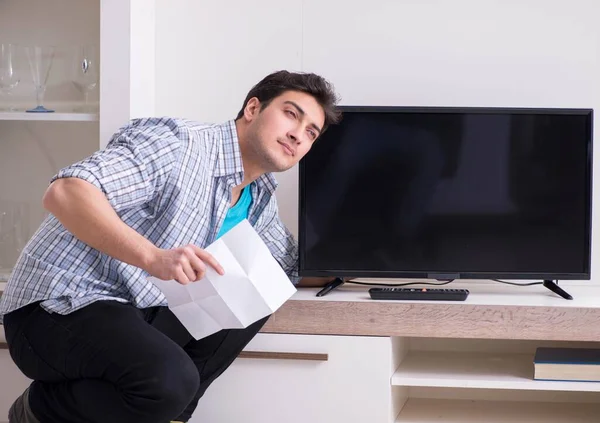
(229, 160)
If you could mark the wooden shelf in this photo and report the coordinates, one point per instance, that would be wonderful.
(56, 116)
(420, 410)
(487, 371)
(492, 311)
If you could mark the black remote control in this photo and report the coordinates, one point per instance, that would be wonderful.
(427, 294)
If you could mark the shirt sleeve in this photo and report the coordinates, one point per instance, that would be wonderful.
(134, 165)
(281, 243)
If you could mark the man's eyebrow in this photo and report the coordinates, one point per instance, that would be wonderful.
(302, 113)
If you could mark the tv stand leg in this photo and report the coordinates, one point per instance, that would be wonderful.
(330, 287)
(552, 286)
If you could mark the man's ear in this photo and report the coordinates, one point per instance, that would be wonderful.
(252, 109)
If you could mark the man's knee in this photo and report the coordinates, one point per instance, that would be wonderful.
(167, 392)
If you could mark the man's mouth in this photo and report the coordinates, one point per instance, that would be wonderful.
(287, 148)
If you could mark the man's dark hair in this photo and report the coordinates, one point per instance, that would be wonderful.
(279, 82)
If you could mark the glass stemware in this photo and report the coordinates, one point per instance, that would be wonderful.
(85, 72)
(8, 76)
(40, 62)
(14, 233)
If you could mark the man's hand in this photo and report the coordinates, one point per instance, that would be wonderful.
(84, 210)
(183, 264)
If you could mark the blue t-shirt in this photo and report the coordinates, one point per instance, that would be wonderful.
(238, 212)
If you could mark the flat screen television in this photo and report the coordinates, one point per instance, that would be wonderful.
(449, 193)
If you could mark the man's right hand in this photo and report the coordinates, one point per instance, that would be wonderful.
(84, 210)
(183, 264)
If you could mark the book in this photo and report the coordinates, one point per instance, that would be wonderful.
(567, 364)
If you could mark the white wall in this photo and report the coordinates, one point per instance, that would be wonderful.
(209, 55)
(521, 53)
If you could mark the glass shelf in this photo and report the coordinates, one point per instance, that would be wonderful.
(56, 116)
(63, 111)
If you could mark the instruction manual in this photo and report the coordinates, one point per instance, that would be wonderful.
(254, 286)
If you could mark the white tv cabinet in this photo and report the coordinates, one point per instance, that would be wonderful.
(346, 358)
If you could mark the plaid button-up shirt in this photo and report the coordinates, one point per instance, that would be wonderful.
(170, 180)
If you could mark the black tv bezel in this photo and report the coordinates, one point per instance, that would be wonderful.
(383, 274)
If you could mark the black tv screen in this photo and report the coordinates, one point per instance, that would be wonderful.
(449, 193)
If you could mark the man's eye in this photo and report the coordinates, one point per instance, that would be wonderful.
(291, 113)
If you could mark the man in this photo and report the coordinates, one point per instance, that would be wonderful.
(80, 317)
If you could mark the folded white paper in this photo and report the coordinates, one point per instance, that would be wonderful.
(254, 285)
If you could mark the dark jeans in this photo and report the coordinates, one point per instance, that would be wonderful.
(112, 362)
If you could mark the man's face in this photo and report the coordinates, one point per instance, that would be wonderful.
(282, 133)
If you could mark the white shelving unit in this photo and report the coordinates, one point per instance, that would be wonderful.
(34, 146)
(420, 410)
(395, 380)
(402, 362)
(483, 380)
(477, 370)
(56, 116)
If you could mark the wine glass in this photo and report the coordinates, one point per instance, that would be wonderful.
(14, 233)
(85, 72)
(40, 62)
(8, 77)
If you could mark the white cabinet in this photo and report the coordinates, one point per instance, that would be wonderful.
(123, 32)
(304, 378)
(393, 380)
(465, 380)
(34, 146)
